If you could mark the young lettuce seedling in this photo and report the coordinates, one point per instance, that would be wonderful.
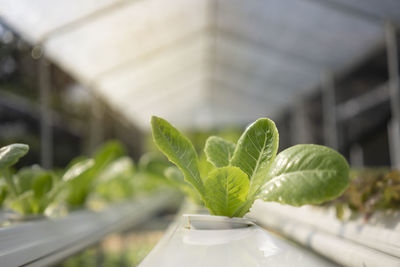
(250, 169)
(28, 189)
(82, 174)
(9, 155)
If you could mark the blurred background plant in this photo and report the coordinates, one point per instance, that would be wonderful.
(108, 176)
(370, 190)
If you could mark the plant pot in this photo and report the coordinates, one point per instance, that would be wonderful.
(205, 240)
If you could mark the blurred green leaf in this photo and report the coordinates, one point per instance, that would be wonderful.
(78, 169)
(42, 185)
(3, 193)
(371, 189)
(9, 155)
(153, 163)
(83, 184)
(34, 186)
(116, 182)
(22, 204)
(175, 176)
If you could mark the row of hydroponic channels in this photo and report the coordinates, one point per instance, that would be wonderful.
(48, 215)
(241, 173)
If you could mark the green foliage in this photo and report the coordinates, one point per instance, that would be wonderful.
(255, 152)
(176, 178)
(28, 190)
(34, 187)
(109, 174)
(227, 190)
(179, 151)
(9, 155)
(150, 175)
(115, 182)
(219, 151)
(303, 174)
(306, 174)
(3, 192)
(369, 190)
(87, 170)
(77, 169)
(78, 182)
(153, 165)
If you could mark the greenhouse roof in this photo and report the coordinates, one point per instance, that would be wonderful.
(202, 63)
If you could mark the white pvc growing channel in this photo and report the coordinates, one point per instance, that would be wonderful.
(204, 240)
(47, 241)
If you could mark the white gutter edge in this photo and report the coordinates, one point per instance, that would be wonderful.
(327, 235)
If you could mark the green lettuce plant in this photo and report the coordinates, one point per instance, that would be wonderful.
(115, 181)
(31, 189)
(370, 189)
(37, 189)
(82, 174)
(251, 169)
(9, 155)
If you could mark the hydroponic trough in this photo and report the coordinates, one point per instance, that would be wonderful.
(47, 241)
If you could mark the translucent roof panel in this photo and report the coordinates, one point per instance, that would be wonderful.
(179, 103)
(34, 20)
(126, 34)
(261, 68)
(301, 29)
(201, 63)
(142, 80)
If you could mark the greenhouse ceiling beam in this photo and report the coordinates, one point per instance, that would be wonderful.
(358, 105)
(346, 70)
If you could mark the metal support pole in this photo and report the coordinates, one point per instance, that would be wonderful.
(356, 155)
(96, 126)
(300, 129)
(46, 133)
(394, 143)
(329, 111)
(394, 86)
